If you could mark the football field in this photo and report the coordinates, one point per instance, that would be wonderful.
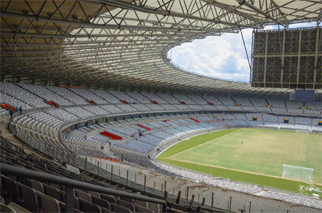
(251, 155)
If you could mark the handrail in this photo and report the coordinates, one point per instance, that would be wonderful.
(40, 176)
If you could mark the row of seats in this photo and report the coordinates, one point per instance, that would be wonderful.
(40, 126)
(35, 96)
(21, 96)
(143, 145)
(89, 147)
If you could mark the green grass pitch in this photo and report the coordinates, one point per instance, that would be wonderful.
(258, 160)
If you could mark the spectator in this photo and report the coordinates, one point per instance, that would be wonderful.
(140, 133)
(20, 110)
(11, 112)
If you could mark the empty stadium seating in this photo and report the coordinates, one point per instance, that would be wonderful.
(27, 195)
(50, 127)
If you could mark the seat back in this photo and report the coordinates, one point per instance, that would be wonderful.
(83, 195)
(55, 186)
(28, 198)
(105, 210)
(9, 189)
(76, 202)
(119, 209)
(23, 181)
(85, 206)
(140, 203)
(154, 206)
(130, 200)
(108, 198)
(18, 208)
(4, 208)
(142, 209)
(94, 194)
(53, 192)
(100, 202)
(126, 205)
(47, 204)
(36, 185)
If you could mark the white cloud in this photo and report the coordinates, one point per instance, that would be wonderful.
(216, 56)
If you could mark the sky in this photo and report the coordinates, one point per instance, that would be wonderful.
(221, 57)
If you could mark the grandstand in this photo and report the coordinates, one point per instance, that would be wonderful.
(101, 101)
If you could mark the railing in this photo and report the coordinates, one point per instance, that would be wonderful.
(71, 184)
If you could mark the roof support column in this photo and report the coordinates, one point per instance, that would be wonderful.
(316, 55)
(282, 58)
(265, 62)
(299, 60)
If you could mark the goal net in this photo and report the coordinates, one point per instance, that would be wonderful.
(297, 173)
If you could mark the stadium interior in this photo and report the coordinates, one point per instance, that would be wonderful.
(89, 100)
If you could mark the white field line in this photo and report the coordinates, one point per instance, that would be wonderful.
(203, 143)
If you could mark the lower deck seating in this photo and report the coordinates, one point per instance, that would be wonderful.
(26, 195)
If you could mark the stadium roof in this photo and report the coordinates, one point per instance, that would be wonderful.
(124, 43)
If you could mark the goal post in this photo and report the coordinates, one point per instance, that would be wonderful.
(297, 173)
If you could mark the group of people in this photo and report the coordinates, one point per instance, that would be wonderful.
(17, 110)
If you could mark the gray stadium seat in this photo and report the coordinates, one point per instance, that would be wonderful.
(85, 206)
(5, 208)
(28, 199)
(119, 209)
(142, 209)
(47, 204)
(18, 208)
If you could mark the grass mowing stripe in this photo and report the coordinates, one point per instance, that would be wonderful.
(194, 141)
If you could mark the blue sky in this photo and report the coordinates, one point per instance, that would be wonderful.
(220, 57)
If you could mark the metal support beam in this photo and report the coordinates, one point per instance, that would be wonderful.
(283, 58)
(92, 25)
(299, 60)
(266, 15)
(317, 51)
(265, 62)
(151, 10)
